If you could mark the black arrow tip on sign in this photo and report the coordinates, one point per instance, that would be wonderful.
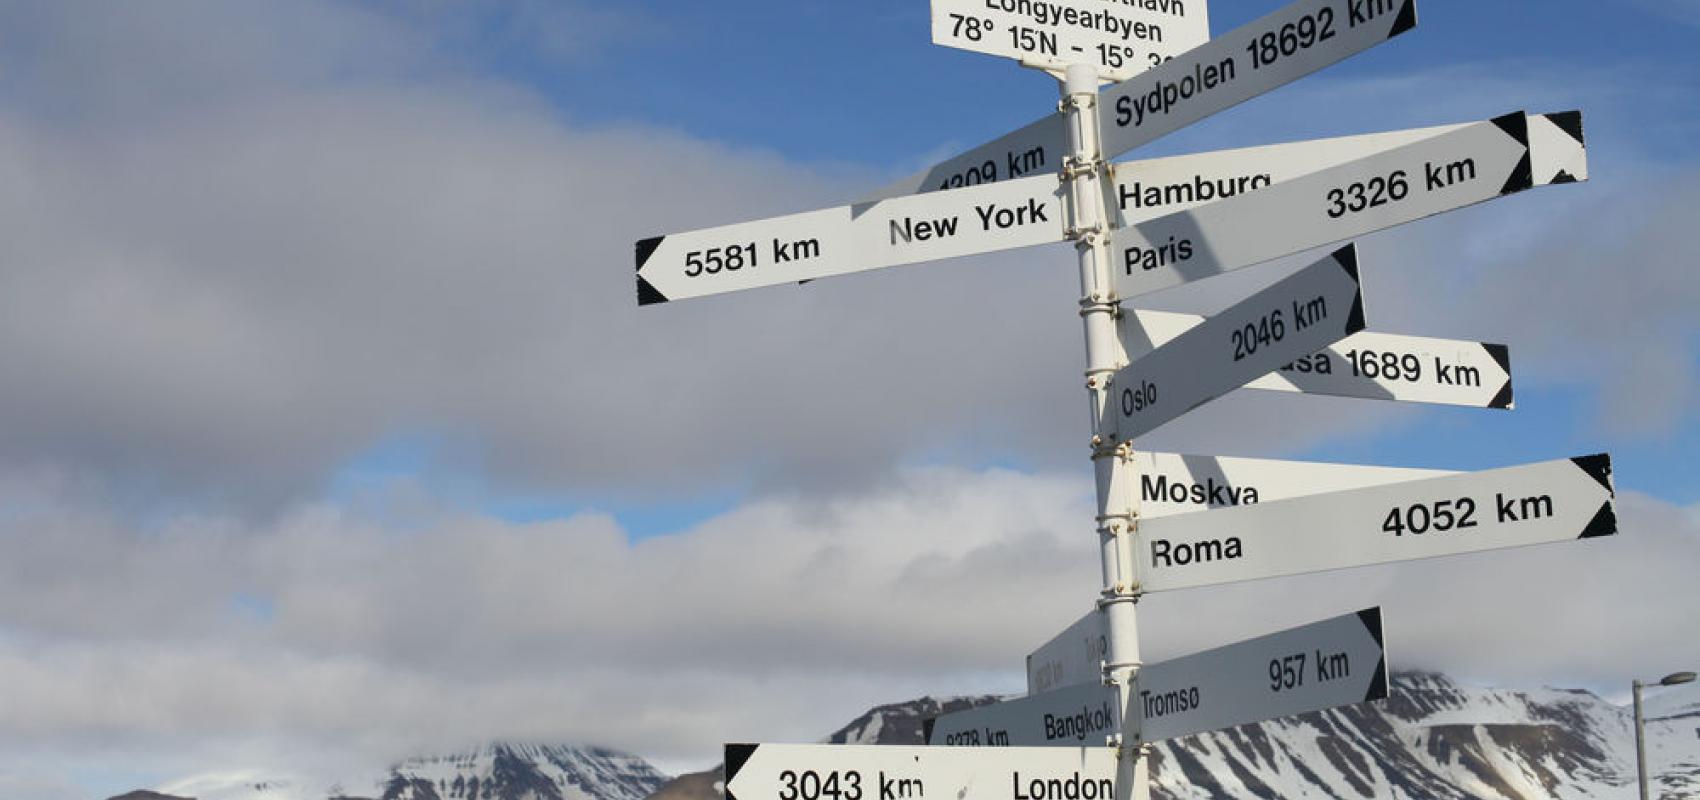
(1371, 618)
(646, 248)
(647, 294)
(1407, 19)
(927, 729)
(736, 756)
(1570, 122)
(1504, 401)
(1347, 258)
(1604, 523)
(1597, 467)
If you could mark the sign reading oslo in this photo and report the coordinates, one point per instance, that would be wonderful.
(1308, 310)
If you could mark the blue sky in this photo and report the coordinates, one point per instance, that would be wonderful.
(330, 399)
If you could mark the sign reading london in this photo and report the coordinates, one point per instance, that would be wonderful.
(1120, 38)
(890, 772)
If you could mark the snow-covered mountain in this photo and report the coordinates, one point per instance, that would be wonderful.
(499, 771)
(1432, 739)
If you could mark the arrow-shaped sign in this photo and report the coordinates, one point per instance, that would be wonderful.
(854, 238)
(889, 772)
(1120, 39)
(1552, 501)
(1376, 366)
(1255, 58)
(1305, 312)
(1335, 662)
(1170, 483)
(1470, 165)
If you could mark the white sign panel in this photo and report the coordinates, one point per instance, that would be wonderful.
(835, 241)
(889, 772)
(1250, 60)
(1303, 313)
(1376, 366)
(1171, 483)
(1072, 657)
(1152, 188)
(1077, 716)
(1470, 165)
(1120, 38)
(1336, 662)
(1552, 501)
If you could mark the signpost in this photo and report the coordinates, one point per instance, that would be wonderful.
(1120, 39)
(1170, 521)
(1376, 366)
(1255, 58)
(1470, 165)
(1306, 311)
(1552, 501)
(1335, 662)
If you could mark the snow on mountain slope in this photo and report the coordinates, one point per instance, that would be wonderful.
(499, 771)
(524, 772)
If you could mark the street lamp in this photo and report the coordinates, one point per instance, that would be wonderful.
(1641, 725)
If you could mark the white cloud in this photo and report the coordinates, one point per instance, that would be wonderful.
(779, 620)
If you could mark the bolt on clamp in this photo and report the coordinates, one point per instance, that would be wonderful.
(1074, 166)
(1088, 235)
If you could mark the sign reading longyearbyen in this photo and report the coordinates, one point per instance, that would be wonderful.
(1322, 665)
(1551, 501)
(1308, 310)
(1120, 38)
(834, 241)
(1223, 72)
(888, 772)
(1377, 366)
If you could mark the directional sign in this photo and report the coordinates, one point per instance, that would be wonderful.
(1553, 501)
(1303, 313)
(1336, 662)
(1331, 663)
(1072, 657)
(1475, 163)
(1250, 60)
(1082, 715)
(890, 772)
(1121, 39)
(1171, 484)
(1377, 366)
(1151, 188)
(866, 236)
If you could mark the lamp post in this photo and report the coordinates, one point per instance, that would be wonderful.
(1641, 725)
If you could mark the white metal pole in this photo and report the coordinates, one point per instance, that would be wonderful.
(1640, 741)
(1089, 227)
